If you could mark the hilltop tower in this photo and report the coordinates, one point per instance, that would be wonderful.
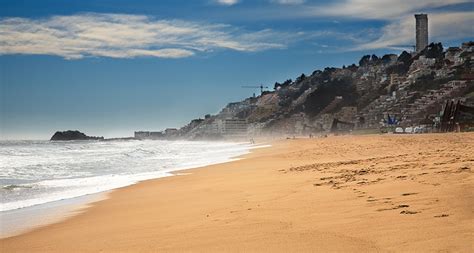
(421, 31)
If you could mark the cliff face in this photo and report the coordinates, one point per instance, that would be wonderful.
(72, 135)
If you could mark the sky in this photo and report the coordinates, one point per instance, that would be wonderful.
(111, 67)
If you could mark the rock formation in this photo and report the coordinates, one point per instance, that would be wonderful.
(72, 135)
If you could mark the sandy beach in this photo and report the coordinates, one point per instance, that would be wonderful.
(372, 193)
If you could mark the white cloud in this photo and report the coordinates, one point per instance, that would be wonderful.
(442, 27)
(128, 36)
(288, 2)
(379, 9)
(444, 24)
(227, 2)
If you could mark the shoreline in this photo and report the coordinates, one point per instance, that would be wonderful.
(337, 193)
(23, 220)
(44, 214)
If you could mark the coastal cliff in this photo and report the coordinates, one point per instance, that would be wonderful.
(378, 93)
(72, 135)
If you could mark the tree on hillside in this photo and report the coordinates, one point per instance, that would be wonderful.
(316, 72)
(433, 50)
(364, 61)
(286, 83)
(282, 85)
(277, 85)
(325, 94)
(352, 67)
(404, 57)
(301, 78)
(374, 59)
(386, 58)
(429, 82)
(403, 64)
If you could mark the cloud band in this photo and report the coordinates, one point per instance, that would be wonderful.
(127, 36)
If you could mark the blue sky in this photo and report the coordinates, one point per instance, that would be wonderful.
(111, 67)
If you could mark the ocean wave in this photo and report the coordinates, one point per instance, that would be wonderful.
(12, 187)
(55, 171)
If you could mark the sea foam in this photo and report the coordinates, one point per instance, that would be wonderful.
(38, 172)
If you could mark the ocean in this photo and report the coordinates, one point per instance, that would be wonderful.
(38, 172)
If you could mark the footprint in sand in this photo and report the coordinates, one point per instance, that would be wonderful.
(371, 199)
(465, 168)
(393, 208)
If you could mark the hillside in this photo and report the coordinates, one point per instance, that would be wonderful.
(409, 87)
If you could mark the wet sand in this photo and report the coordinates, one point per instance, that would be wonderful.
(374, 193)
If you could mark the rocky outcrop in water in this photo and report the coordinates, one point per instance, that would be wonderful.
(73, 135)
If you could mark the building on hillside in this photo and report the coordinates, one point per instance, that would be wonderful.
(347, 114)
(394, 79)
(148, 135)
(156, 135)
(255, 129)
(324, 121)
(468, 46)
(231, 127)
(453, 54)
(417, 73)
(421, 31)
(142, 134)
(232, 109)
(422, 63)
(171, 131)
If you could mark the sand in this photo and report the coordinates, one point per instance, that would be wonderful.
(373, 193)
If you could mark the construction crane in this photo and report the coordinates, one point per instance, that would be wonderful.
(404, 46)
(256, 87)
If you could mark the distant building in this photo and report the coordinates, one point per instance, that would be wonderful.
(324, 121)
(347, 113)
(394, 79)
(156, 135)
(453, 54)
(148, 135)
(233, 109)
(231, 127)
(142, 135)
(171, 131)
(421, 31)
